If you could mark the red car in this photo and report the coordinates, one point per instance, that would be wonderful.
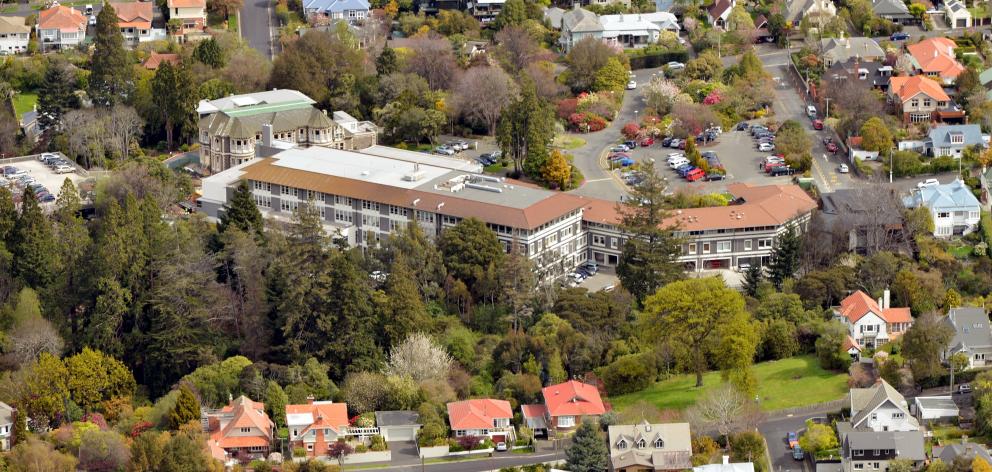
(771, 165)
(647, 141)
(817, 124)
(832, 147)
(695, 175)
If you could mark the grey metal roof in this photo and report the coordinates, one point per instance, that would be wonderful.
(968, 450)
(580, 20)
(244, 127)
(940, 136)
(6, 414)
(907, 444)
(866, 400)
(890, 9)
(336, 6)
(397, 418)
(971, 328)
(955, 196)
(844, 49)
(937, 403)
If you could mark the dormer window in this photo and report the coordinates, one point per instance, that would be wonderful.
(641, 444)
(957, 138)
(659, 443)
(622, 444)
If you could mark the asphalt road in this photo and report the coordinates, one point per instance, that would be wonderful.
(257, 26)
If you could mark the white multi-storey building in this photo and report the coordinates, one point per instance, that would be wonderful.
(14, 35)
(61, 27)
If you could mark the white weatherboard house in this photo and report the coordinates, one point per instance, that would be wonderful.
(954, 209)
(627, 31)
(870, 323)
(880, 408)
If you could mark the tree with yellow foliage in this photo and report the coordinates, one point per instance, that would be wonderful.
(979, 465)
(557, 170)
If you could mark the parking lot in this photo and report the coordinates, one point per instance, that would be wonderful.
(737, 153)
(43, 175)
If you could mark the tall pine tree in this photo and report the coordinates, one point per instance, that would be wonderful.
(242, 212)
(526, 129)
(175, 96)
(588, 452)
(350, 299)
(55, 96)
(111, 79)
(33, 245)
(785, 257)
(406, 311)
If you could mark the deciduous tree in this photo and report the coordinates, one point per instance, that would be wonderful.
(875, 136)
(818, 437)
(923, 344)
(724, 410)
(557, 170)
(419, 357)
(483, 109)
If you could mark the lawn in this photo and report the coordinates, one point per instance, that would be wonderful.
(960, 252)
(24, 102)
(568, 143)
(786, 383)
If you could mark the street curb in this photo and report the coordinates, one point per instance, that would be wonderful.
(613, 175)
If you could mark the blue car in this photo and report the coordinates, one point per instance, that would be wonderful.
(684, 170)
(899, 36)
(626, 161)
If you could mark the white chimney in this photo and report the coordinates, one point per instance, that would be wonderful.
(726, 460)
(886, 297)
(267, 135)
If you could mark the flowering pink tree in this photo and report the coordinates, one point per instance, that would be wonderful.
(713, 98)
(630, 130)
(660, 94)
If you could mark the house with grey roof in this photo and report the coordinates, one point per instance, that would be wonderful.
(873, 450)
(398, 425)
(951, 140)
(6, 425)
(817, 11)
(231, 128)
(972, 335)
(352, 11)
(966, 450)
(957, 15)
(861, 49)
(645, 446)
(954, 209)
(627, 31)
(880, 408)
(892, 10)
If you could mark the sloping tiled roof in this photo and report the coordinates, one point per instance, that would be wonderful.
(187, 3)
(320, 415)
(13, 25)
(843, 49)
(859, 304)
(971, 328)
(478, 413)
(890, 8)
(156, 59)
(245, 414)
(719, 8)
(936, 55)
(573, 398)
(62, 18)
(134, 14)
(941, 135)
(908, 87)
(533, 411)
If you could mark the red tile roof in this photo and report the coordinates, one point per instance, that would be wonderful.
(62, 18)
(325, 415)
(156, 59)
(246, 414)
(187, 3)
(908, 87)
(936, 55)
(850, 343)
(534, 411)
(478, 413)
(573, 398)
(858, 304)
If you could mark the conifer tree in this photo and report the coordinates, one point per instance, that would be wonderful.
(55, 95)
(588, 452)
(785, 257)
(242, 212)
(34, 249)
(406, 311)
(111, 79)
(187, 409)
(354, 324)
(8, 214)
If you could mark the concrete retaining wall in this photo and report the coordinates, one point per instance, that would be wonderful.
(468, 453)
(433, 452)
(371, 456)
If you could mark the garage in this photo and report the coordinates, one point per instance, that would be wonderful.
(400, 425)
(497, 438)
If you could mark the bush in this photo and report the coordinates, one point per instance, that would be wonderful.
(299, 452)
(631, 130)
(469, 442)
(748, 446)
(628, 374)
(361, 448)
(567, 107)
(378, 443)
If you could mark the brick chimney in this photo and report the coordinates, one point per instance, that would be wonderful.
(310, 399)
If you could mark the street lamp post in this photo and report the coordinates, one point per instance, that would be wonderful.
(826, 114)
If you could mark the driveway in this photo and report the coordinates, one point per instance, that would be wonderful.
(599, 182)
(405, 460)
(776, 432)
(258, 26)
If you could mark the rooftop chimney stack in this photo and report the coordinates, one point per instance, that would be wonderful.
(310, 399)
(887, 298)
(726, 460)
(267, 136)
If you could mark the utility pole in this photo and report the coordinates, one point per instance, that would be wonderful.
(826, 114)
(890, 165)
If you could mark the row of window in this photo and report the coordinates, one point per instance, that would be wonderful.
(727, 246)
(641, 444)
(874, 452)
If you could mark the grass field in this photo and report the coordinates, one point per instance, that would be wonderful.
(24, 102)
(787, 383)
(568, 143)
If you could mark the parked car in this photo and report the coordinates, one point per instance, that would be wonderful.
(444, 150)
(811, 111)
(928, 183)
(711, 177)
(89, 9)
(843, 169)
(632, 84)
(676, 163)
(501, 446)
(899, 36)
(793, 439)
(647, 141)
(619, 148)
(92, 20)
(631, 144)
(674, 65)
(674, 143)
(47, 155)
(817, 124)
(765, 147)
(46, 198)
(964, 388)
(694, 175)
(9, 170)
(667, 141)
(797, 453)
(625, 162)
(682, 144)
(832, 147)
(684, 170)
(781, 170)
(65, 169)
(591, 266)
(771, 165)
(741, 126)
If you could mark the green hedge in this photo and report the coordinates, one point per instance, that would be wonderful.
(986, 225)
(651, 57)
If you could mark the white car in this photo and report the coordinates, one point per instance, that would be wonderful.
(676, 163)
(674, 65)
(501, 446)
(92, 20)
(65, 169)
(445, 151)
(765, 147)
(843, 169)
(632, 85)
(675, 155)
(928, 183)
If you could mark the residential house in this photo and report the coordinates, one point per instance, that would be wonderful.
(398, 425)
(972, 335)
(725, 466)
(231, 127)
(61, 27)
(954, 209)
(6, 425)
(646, 447)
(156, 59)
(895, 11)
(316, 425)
(873, 75)
(626, 31)
(880, 408)
(240, 429)
(352, 11)
(857, 49)
(486, 10)
(986, 79)
(135, 21)
(719, 12)
(565, 406)
(951, 140)
(937, 409)
(957, 14)
(872, 323)
(14, 35)
(921, 99)
(482, 417)
(856, 153)
(739, 235)
(817, 12)
(934, 57)
(966, 450)
(873, 450)
(865, 220)
(192, 17)
(30, 126)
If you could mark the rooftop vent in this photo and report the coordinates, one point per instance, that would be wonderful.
(484, 187)
(416, 201)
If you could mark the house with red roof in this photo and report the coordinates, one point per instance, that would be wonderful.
(316, 425)
(565, 406)
(934, 57)
(921, 99)
(872, 323)
(61, 27)
(135, 21)
(240, 431)
(191, 16)
(482, 417)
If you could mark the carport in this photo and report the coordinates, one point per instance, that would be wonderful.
(398, 425)
(940, 408)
